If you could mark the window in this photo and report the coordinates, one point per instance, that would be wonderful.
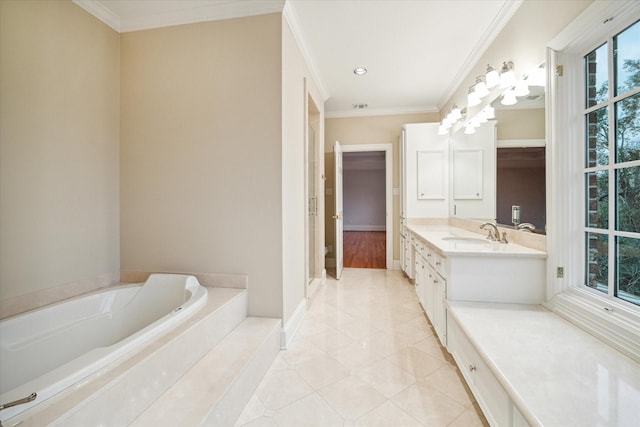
(612, 166)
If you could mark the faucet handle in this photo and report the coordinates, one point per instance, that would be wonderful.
(504, 237)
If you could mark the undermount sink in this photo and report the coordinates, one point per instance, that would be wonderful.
(467, 240)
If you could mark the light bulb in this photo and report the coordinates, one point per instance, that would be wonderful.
(456, 114)
(472, 98)
(492, 77)
(480, 87)
(521, 88)
(507, 76)
(509, 98)
(537, 77)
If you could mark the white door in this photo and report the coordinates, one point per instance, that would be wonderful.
(338, 216)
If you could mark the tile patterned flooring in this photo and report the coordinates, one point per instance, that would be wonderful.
(365, 355)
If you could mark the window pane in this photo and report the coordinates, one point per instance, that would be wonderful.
(597, 184)
(628, 191)
(597, 138)
(597, 261)
(628, 129)
(597, 79)
(628, 269)
(627, 59)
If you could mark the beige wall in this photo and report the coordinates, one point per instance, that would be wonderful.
(59, 115)
(297, 87)
(521, 124)
(367, 130)
(201, 152)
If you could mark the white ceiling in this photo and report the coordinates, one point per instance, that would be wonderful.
(416, 51)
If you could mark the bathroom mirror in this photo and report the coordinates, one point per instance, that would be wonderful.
(519, 167)
(520, 162)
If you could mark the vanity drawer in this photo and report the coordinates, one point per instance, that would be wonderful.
(491, 397)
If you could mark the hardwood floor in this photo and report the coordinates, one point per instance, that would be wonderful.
(365, 249)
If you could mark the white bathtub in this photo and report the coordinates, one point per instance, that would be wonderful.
(49, 349)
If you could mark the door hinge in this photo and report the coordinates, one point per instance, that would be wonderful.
(559, 71)
(560, 272)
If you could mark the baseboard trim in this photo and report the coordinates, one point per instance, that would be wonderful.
(291, 327)
(365, 228)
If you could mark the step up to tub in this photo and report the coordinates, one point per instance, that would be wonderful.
(118, 395)
(215, 391)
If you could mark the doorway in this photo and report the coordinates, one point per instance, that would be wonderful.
(364, 229)
(375, 154)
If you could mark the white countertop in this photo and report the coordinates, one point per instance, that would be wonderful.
(440, 237)
(557, 374)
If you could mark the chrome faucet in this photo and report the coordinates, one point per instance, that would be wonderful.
(494, 233)
(526, 226)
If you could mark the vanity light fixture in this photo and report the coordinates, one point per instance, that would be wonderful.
(472, 98)
(537, 77)
(480, 87)
(521, 88)
(492, 77)
(490, 112)
(454, 115)
(359, 71)
(507, 75)
(509, 97)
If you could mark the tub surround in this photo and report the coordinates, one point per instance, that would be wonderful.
(119, 394)
(22, 303)
(217, 280)
(552, 371)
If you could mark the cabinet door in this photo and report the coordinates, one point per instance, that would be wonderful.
(439, 311)
(473, 175)
(467, 177)
(403, 266)
(420, 279)
(431, 175)
(424, 172)
(428, 292)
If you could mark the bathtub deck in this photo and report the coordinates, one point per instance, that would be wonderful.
(215, 391)
(123, 392)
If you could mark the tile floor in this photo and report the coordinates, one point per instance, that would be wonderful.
(365, 355)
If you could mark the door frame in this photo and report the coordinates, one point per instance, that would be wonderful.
(388, 170)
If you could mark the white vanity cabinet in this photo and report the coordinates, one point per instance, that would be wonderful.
(431, 285)
(473, 178)
(497, 406)
(424, 172)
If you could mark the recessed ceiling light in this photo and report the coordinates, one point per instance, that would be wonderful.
(360, 71)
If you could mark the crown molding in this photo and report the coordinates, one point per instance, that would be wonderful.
(589, 25)
(208, 12)
(380, 112)
(101, 12)
(291, 18)
(505, 14)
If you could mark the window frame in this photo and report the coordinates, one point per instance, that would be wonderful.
(611, 168)
(614, 321)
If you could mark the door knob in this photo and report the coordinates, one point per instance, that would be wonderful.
(337, 217)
